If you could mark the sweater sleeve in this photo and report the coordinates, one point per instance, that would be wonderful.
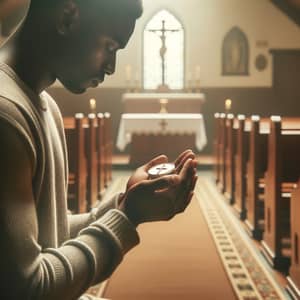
(62, 273)
(78, 221)
(27, 270)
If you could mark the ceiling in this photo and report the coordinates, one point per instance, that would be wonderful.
(290, 8)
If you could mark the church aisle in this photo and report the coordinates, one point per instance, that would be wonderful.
(175, 260)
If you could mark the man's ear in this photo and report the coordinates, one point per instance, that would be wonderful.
(68, 17)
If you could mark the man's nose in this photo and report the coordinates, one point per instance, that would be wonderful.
(109, 70)
(110, 67)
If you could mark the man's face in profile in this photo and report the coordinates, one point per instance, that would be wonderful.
(89, 53)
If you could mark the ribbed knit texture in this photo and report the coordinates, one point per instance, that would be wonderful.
(45, 263)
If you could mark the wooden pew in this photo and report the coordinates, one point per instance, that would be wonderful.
(91, 156)
(240, 163)
(230, 151)
(255, 170)
(293, 279)
(221, 153)
(216, 147)
(108, 146)
(75, 137)
(282, 173)
(101, 155)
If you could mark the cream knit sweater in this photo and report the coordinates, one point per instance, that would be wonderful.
(44, 253)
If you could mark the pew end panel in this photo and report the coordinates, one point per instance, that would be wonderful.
(101, 155)
(241, 159)
(108, 149)
(75, 138)
(230, 151)
(256, 166)
(282, 172)
(90, 125)
(293, 279)
(222, 146)
(216, 145)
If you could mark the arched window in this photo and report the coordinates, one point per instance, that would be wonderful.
(163, 29)
(235, 53)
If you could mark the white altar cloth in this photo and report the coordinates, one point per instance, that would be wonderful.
(152, 123)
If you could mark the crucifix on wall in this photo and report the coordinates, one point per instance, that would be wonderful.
(163, 50)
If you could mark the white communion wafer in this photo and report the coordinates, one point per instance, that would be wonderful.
(161, 169)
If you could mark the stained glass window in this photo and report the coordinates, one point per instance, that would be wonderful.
(174, 55)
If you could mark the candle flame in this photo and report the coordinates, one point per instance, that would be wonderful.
(228, 104)
(92, 104)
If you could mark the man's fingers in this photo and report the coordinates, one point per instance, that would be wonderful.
(156, 161)
(189, 155)
(182, 155)
(194, 182)
(185, 168)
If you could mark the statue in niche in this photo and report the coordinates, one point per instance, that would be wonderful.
(235, 53)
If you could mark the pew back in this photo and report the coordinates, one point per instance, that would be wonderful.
(75, 137)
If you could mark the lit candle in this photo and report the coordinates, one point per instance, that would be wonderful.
(93, 105)
(228, 104)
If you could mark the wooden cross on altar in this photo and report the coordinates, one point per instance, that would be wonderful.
(163, 50)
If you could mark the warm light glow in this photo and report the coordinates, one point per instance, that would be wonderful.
(228, 104)
(174, 55)
(128, 72)
(92, 105)
(197, 73)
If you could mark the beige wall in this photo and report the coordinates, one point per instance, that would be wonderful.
(206, 22)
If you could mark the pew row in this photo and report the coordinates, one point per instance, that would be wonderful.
(240, 164)
(75, 137)
(89, 144)
(293, 279)
(283, 170)
(220, 146)
(255, 171)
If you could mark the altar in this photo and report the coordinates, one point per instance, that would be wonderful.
(151, 102)
(153, 134)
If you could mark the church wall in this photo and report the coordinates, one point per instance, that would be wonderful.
(206, 23)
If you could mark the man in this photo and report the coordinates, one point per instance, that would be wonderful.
(44, 254)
